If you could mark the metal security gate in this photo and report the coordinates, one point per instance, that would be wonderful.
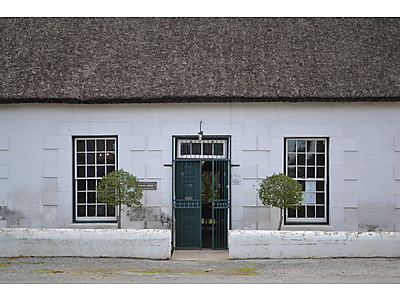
(187, 205)
(220, 203)
(201, 202)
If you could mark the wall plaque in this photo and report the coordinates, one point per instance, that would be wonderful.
(148, 185)
(236, 181)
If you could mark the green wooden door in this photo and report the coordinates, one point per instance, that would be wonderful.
(187, 205)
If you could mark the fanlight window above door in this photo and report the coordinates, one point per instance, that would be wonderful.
(205, 148)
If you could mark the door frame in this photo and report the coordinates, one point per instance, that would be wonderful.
(178, 158)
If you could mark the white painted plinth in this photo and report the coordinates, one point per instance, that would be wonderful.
(143, 243)
(312, 244)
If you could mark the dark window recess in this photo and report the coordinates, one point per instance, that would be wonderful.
(185, 149)
(207, 149)
(90, 145)
(218, 149)
(196, 149)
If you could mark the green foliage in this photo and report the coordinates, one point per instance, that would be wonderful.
(119, 188)
(280, 190)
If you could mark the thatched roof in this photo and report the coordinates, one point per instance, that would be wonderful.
(199, 59)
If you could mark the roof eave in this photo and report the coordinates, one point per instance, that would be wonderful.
(196, 100)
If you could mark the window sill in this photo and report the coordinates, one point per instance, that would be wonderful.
(307, 227)
(93, 225)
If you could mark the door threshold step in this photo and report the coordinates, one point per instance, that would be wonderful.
(203, 254)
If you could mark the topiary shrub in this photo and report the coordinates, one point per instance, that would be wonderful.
(281, 191)
(119, 188)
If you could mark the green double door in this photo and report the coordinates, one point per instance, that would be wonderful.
(201, 204)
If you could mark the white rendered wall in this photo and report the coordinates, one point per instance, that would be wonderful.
(364, 158)
(248, 244)
(151, 244)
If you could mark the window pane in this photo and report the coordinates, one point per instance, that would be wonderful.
(101, 210)
(81, 185)
(310, 172)
(291, 213)
(320, 172)
(80, 158)
(320, 185)
(81, 210)
(301, 212)
(320, 212)
(101, 145)
(301, 172)
(310, 198)
(291, 159)
(81, 171)
(301, 146)
(196, 148)
(310, 159)
(82, 197)
(311, 186)
(110, 169)
(90, 145)
(291, 146)
(80, 146)
(310, 211)
(91, 210)
(320, 146)
(90, 158)
(111, 211)
(101, 171)
(320, 198)
(301, 159)
(110, 158)
(185, 149)
(101, 158)
(292, 172)
(90, 172)
(303, 184)
(207, 149)
(110, 145)
(91, 184)
(311, 146)
(91, 197)
(321, 159)
(218, 149)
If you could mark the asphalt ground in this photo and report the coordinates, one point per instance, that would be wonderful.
(77, 270)
(105, 278)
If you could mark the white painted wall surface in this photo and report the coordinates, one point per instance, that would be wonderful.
(246, 244)
(150, 244)
(364, 157)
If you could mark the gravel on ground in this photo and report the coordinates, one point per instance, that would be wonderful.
(66, 270)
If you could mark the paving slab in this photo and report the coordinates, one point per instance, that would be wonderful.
(203, 254)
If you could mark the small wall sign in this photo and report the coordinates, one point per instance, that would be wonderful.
(146, 185)
(236, 181)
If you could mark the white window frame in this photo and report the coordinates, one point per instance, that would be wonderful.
(314, 186)
(81, 193)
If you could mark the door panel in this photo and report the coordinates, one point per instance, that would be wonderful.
(187, 204)
(220, 205)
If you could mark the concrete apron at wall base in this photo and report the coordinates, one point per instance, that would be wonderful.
(249, 244)
(133, 243)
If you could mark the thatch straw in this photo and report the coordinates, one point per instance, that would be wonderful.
(198, 59)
